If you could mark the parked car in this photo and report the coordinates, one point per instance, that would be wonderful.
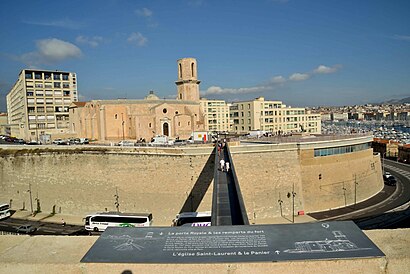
(61, 142)
(26, 229)
(180, 142)
(125, 143)
(84, 141)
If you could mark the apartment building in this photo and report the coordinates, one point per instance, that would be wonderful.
(216, 115)
(273, 116)
(38, 103)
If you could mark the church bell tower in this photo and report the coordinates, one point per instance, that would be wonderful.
(187, 83)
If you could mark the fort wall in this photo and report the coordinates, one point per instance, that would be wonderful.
(165, 181)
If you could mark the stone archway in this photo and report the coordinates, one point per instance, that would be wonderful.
(165, 129)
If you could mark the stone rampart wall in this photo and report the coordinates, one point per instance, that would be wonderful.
(165, 181)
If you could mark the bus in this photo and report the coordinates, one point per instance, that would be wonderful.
(4, 211)
(100, 221)
(192, 219)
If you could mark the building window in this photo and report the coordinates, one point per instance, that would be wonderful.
(57, 85)
(56, 76)
(189, 123)
(164, 110)
(192, 69)
(149, 125)
(180, 71)
(116, 116)
(179, 124)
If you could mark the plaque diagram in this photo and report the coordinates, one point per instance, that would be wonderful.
(339, 244)
(128, 243)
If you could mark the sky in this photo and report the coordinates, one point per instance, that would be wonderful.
(301, 52)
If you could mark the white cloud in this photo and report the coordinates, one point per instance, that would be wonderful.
(402, 37)
(144, 12)
(90, 41)
(215, 90)
(322, 69)
(137, 39)
(50, 51)
(273, 83)
(299, 77)
(278, 80)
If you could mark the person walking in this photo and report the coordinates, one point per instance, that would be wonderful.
(222, 163)
(227, 166)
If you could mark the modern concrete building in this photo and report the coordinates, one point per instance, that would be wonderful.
(3, 123)
(216, 115)
(38, 103)
(273, 116)
(126, 119)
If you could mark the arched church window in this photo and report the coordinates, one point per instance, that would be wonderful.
(192, 69)
(164, 110)
(180, 71)
(116, 116)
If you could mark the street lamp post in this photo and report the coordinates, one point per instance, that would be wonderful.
(293, 194)
(31, 198)
(123, 132)
(355, 189)
(117, 197)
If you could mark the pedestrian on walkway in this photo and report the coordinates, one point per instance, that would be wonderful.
(222, 162)
(227, 166)
(62, 222)
(219, 150)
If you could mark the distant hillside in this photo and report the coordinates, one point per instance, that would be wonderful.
(398, 101)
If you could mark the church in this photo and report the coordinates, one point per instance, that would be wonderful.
(129, 119)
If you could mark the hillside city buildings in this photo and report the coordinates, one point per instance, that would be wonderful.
(38, 103)
(368, 112)
(46, 103)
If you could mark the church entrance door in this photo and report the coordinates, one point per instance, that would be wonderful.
(165, 129)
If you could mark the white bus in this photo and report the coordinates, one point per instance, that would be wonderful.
(100, 221)
(192, 219)
(4, 211)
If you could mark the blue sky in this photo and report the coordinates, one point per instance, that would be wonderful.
(303, 52)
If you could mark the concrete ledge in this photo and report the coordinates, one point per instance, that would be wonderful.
(57, 254)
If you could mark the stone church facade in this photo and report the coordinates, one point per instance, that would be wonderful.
(126, 119)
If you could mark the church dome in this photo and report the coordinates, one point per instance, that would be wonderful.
(151, 96)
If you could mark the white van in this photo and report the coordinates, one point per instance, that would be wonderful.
(161, 140)
(192, 219)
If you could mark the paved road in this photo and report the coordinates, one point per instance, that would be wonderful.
(10, 225)
(377, 211)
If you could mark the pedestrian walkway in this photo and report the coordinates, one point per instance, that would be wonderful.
(227, 205)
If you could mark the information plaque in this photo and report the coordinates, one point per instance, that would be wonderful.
(218, 244)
